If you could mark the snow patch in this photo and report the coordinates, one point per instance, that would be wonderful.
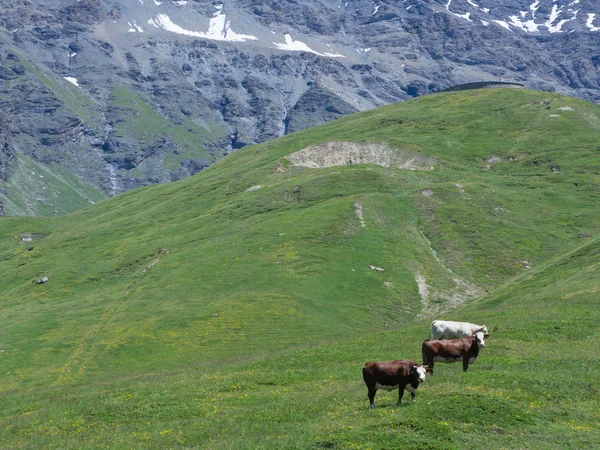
(590, 21)
(72, 80)
(465, 16)
(553, 24)
(556, 11)
(133, 27)
(219, 28)
(502, 23)
(299, 46)
(529, 26)
(534, 7)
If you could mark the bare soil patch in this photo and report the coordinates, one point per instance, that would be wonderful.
(340, 153)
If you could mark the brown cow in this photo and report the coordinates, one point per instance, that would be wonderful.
(453, 350)
(399, 374)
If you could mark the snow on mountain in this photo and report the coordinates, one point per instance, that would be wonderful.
(219, 29)
(195, 20)
(590, 22)
(553, 16)
(72, 80)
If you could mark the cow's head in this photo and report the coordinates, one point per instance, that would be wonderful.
(480, 338)
(420, 371)
(483, 329)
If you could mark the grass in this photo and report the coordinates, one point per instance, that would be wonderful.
(201, 314)
(36, 189)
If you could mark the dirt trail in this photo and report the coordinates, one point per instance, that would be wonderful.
(460, 292)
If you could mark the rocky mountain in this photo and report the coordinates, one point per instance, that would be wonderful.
(102, 96)
(7, 155)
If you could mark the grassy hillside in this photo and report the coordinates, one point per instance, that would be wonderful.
(37, 189)
(236, 308)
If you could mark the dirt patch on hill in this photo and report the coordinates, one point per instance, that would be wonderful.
(338, 153)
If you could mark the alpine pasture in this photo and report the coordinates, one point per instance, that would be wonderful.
(236, 308)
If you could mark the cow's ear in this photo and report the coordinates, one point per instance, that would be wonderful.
(486, 336)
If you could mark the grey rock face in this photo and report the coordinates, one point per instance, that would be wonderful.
(7, 152)
(7, 156)
(315, 106)
(124, 93)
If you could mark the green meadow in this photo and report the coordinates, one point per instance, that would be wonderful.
(236, 308)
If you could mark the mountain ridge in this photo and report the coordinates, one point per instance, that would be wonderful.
(201, 80)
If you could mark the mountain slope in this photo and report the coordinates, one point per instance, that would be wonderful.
(125, 93)
(238, 269)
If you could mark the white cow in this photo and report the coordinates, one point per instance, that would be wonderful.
(447, 329)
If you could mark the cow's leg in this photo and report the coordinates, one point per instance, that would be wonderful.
(465, 363)
(400, 394)
(413, 395)
(372, 392)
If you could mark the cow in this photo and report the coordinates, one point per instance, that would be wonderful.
(399, 374)
(447, 329)
(452, 350)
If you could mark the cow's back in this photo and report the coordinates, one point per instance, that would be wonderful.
(448, 329)
(441, 329)
(446, 347)
(387, 371)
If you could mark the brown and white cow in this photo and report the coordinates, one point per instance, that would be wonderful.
(399, 374)
(453, 350)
